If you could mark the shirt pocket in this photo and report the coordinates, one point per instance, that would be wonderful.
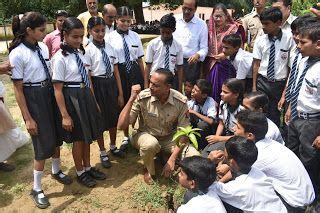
(173, 59)
(151, 119)
(311, 89)
(134, 51)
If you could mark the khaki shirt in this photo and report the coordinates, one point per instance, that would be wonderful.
(253, 28)
(159, 119)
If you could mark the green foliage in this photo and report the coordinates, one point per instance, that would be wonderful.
(149, 194)
(301, 7)
(189, 132)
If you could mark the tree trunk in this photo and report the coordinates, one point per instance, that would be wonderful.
(138, 12)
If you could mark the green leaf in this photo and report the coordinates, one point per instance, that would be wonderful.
(193, 140)
(177, 135)
(196, 133)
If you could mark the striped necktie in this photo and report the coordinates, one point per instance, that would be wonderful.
(106, 62)
(45, 67)
(166, 59)
(270, 70)
(126, 54)
(82, 70)
(295, 93)
(292, 78)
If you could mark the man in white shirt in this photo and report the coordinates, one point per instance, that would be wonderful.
(192, 33)
(289, 177)
(251, 190)
(109, 14)
(288, 18)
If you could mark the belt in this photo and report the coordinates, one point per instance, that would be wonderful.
(272, 80)
(36, 84)
(74, 85)
(102, 76)
(132, 62)
(306, 116)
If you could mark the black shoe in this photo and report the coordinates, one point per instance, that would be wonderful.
(66, 180)
(124, 145)
(6, 167)
(105, 161)
(96, 174)
(118, 153)
(41, 202)
(86, 180)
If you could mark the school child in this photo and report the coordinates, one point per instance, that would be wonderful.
(258, 101)
(203, 110)
(165, 52)
(77, 104)
(34, 94)
(197, 174)
(289, 177)
(250, 190)
(271, 59)
(106, 85)
(240, 59)
(304, 108)
(230, 105)
(129, 51)
(188, 86)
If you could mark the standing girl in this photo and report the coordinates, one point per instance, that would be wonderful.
(34, 95)
(129, 51)
(230, 105)
(78, 108)
(106, 85)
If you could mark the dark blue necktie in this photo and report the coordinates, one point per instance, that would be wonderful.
(82, 70)
(45, 67)
(166, 59)
(292, 78)
(270, 70)
(106, 62)
(126, 54)
(295, 93)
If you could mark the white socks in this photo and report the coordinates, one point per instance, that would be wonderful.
(112, 147)
(37, 175)
(79, 173)
(55, 165)
(87, 168)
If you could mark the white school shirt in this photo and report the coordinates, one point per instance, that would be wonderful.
(27, 64)
(134, 44)
(193, 36)
(209, 107)
(286, 27)
(289, 177)
(156, 54)
(252, 192)
(243, 64)
(274, 132)
(109, 30)
(309, 95)
(223, 114)
(261, 51)
(65, 68)
(293, 54)
(207, 203)
(94, 58)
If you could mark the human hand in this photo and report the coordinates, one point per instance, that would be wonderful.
(216, 156)
(135, 90)
(315, 11)
(287, 116)
(220, 57)
(67, 123)
(194, 59)
(5, 68)
(316, 143)
(281, 102)
(222, 170)
(31, 126)
(168, 168)
(213, 139)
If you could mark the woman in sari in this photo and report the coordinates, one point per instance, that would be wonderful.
(219, 68)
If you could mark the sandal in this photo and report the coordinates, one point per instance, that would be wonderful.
(105, 161)
(39, 199)
(62, 178)
(86, 180)
(118, 153)
(96, 174)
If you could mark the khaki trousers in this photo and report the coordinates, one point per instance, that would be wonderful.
(149, 146)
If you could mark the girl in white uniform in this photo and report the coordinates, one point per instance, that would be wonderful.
(106, 85)
(34, 94)
(129, 51)
(80, 114)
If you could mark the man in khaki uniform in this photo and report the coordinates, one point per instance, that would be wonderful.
(252, 24)
(160, 110)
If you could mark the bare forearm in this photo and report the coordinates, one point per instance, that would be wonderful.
(143, 71)
(118, 81)
(220, 128)
(206, 119)
(256, 65)
(60, 100)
